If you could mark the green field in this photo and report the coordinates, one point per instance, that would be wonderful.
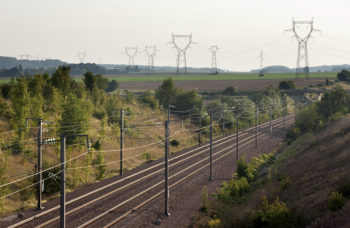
(204, 77)
(189, 77)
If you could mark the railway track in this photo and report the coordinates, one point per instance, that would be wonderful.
(131, 192)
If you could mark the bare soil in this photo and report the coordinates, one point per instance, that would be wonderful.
(219, 84)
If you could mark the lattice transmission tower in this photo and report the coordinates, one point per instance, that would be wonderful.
(214, 66)
(150, 52)
(181, 50)
(302, 66)
(81, 56)
(261, 71)
(131, 52)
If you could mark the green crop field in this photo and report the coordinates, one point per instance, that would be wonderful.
(204, 77)
(243, 76)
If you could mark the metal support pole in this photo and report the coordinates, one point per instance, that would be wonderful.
(284, 110)
(270, 123)
(211, 147)
(169, 114)
(40, 157)
(166, 158)
(121, 139)
(63, 182)
(223, 124)
(237, 130)
(200, 130)
(256, 126)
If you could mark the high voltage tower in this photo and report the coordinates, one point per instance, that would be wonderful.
(302, 58)
(131, 52)
(214, 67)
(181, 51)
(150, 52)
(81, 56)
(261, 56)
(22, 57)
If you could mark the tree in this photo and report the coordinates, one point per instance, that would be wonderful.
(344, 75)
(167, 92)
(20, 100)
(95, 81)
(188, 100)
(61, 79)
(112, 85)
(76, 115)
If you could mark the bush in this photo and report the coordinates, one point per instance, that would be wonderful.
(275, 214)
(230, 91)
(148, 99)
(285, 85)
(205, 202)
(243, 170)
(285, 182)
(112, 85)
(343, 75)
(52, 184)
(174, 142)
(344, 188)
(336, 201)
(214, 223)
(292, 135)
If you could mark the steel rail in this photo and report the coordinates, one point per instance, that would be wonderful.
(127, 185)
(225, 139)
(252, 139)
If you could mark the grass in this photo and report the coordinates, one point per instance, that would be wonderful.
(237, 76)
(205, 77)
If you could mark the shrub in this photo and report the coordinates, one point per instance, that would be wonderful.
(146, 156)
(148, 99)
(97, 145)
(336, 201)
(285, 182)
(174, 142)
(292, 135)
(205, 202)
(230, 91)
(285, 85)
(52, 184)
(100, 166)
(234, 189)
(275, 214)
(214, 223)
(343, 75)
(112, 85)
(243, 170)
(344, 188)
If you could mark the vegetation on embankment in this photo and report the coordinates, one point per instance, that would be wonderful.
(88, 107)
(307, 184)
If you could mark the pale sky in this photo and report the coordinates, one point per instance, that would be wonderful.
(241, 28)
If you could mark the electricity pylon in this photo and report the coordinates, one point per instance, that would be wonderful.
(261, 56)
(81, 56)
(131, 52)
(24, 57)
(302, 58)
(214, 67)
(181, 51)
(150, 52)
